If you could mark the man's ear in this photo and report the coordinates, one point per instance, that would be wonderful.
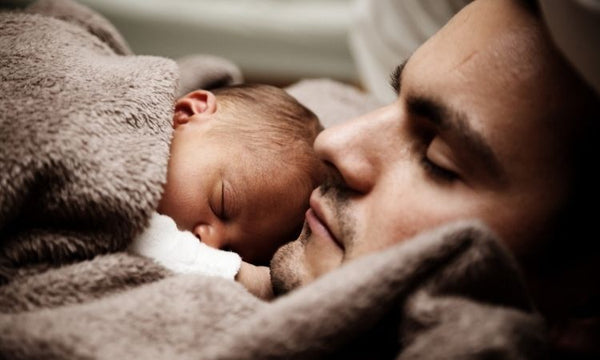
(197, 104)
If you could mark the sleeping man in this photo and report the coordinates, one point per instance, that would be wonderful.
(490, 123)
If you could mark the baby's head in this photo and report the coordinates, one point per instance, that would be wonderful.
(241, 168)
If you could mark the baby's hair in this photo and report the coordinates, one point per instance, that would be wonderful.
(272, 107)
(267, 120)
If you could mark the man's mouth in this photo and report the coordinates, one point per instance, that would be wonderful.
(317, 223)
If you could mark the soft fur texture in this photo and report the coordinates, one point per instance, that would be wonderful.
(206, 72)
(450, 293)
(85, 140)
(84, 135)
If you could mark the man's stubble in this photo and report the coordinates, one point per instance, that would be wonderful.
(287, 271)
(287, 266)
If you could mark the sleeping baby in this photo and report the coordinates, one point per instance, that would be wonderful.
(239, 178)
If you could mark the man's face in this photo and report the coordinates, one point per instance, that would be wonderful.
(468, 137)
(231, 198)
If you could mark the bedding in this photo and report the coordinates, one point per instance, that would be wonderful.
(84, 140)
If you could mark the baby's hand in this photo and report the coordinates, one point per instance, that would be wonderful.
(257, 279)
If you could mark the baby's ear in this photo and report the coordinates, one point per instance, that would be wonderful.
(199, 104)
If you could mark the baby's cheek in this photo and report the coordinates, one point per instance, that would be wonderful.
(175, 204)
(165, 204)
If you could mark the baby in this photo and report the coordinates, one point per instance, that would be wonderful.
(240, 174)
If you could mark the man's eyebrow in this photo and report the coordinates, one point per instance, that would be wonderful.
(456, 122)
(396, 77)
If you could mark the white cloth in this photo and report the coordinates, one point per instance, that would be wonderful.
(181, 252)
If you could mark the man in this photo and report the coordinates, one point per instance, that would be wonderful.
(490, 123)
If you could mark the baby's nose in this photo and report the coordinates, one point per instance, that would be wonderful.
(213, 236)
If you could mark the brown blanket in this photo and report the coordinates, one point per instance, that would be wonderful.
(84, 135)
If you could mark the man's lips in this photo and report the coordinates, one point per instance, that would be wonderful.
(318, 223)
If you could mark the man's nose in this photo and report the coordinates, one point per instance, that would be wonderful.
(212, 235)
(354, 149)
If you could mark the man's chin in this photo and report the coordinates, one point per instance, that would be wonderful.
(287, 266)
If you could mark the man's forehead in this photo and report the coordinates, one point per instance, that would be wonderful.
(497, 82)
(482, 28)
(476, 65)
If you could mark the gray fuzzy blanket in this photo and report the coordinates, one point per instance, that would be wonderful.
(84, 138)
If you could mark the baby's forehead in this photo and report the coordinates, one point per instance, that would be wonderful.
(283, 177)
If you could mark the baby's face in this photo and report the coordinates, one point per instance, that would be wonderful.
(230, 197)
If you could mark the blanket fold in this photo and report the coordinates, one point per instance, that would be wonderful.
(393, 303)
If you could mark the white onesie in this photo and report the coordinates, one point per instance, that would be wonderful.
(182, 252)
